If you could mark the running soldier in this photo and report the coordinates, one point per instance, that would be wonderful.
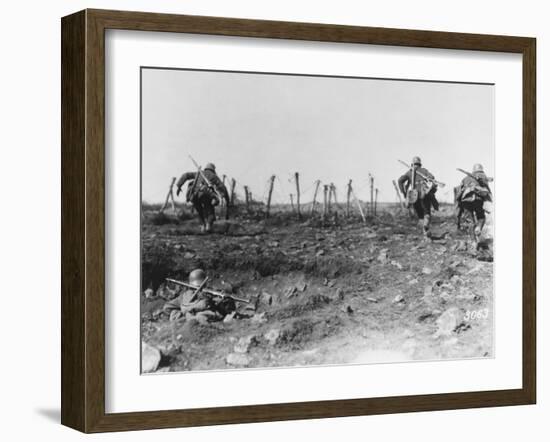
(204, 192)
(418, 187)
(470, 196)
(198, 304)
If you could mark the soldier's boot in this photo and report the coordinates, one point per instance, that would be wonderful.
(426, 228)
(477, 231)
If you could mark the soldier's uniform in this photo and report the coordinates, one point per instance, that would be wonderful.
(203, 307)
(471, 195)
(202, 196)
(426, 194)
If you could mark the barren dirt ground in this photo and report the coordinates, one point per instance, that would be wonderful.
(321, 292)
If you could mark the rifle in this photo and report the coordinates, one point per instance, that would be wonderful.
(425, 178)
(207, 291)
(489, 180)
(206, 180)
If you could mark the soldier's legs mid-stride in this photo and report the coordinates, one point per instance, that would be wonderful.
(422, 207)
(205, 210)
(475, 208)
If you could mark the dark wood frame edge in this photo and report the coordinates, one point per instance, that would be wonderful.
(83, 216)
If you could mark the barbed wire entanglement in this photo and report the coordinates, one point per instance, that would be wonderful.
(358, 197)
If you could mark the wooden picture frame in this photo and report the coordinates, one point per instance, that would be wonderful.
(83, 220)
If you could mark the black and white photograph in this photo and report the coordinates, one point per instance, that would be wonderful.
(293, 220)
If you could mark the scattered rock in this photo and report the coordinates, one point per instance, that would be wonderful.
(149, 293)
(244, 344)
(448, 322)
(290, 292)
(413, 281)
(455, 279)
(189, 255)
(460, 246)
(372, 300)
(371, 235)
(273, 336)
(265, 299)
(426, 316)
(398, 299)
(229, 318)
(340, 293)
(331, 283)
(320, 253)
(301, 286)
(383, 256)
(396, 264)
(273, 244)
(237, 359)
(259, 318)
(427, 271)
(428, 290)
(475, 269)
(150, 358)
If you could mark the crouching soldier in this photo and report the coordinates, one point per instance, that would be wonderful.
(471, 195)
(418, 187)
(204, 192)
(201, 305)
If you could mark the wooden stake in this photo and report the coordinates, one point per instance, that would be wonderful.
(232, 197)
(333, 190)
(358, 205)
(247, 198)
(169, 196)
(317, 183)
(375, 200)
(348, 195)
(325, 206)
(297, 179)
(329, 189)
(271, 181)
(371, 193)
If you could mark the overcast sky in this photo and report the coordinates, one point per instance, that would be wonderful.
(333, 129)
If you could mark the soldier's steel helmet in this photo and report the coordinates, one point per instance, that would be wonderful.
(417, 160)
(196, 277)
(210, 166)
(477, 168)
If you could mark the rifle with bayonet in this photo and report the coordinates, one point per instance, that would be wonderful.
(424, 177)
(208, 291)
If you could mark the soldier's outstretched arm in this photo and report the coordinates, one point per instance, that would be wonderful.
(183, 179)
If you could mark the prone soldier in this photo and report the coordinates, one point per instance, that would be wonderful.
(418, 186)
(197, 303)
(204, 192)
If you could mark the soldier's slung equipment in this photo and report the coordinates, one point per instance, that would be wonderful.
(206, 180)
(208, 291)
(472, 176)
(199, 289)
(431, 180)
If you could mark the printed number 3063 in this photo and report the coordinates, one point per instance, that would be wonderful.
(476, 314)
